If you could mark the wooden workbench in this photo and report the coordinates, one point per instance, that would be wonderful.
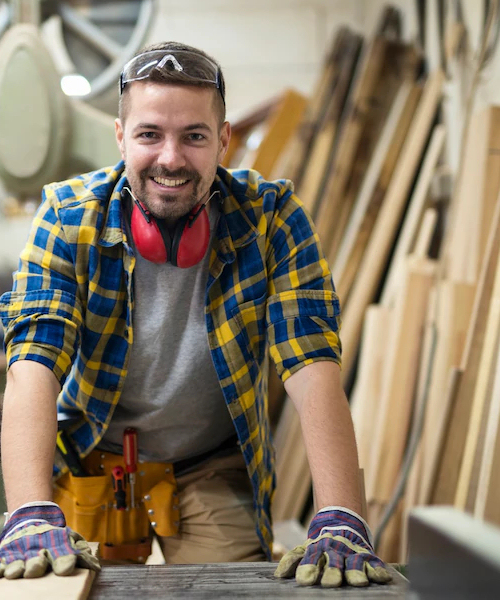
(219, 581)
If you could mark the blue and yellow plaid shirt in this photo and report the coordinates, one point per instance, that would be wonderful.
(269, 291)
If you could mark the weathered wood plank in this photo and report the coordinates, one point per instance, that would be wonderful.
(225, 580)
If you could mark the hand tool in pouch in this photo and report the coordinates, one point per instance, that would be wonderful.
(65, 445)
(130, 458)
(118, 479)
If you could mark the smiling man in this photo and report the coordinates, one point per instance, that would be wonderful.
(147, 303)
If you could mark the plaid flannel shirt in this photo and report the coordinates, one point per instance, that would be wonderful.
(269, 291)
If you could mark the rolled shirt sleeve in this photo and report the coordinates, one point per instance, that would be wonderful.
(42, 315)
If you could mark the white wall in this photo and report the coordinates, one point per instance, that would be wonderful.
(264, 46)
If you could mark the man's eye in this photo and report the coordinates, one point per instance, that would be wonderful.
(149, 135)
(196, 137)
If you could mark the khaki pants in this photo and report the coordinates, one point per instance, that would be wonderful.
(217, 521)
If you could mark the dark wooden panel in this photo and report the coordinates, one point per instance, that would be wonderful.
(228, 580)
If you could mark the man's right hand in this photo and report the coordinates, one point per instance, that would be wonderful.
(36, 537)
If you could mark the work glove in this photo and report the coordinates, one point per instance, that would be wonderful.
(35, 536)
(338, 548)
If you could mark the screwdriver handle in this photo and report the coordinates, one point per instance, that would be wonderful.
(69, 454)
(130, 449)
(118, 479)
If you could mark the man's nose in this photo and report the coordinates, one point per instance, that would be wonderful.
(171, 156)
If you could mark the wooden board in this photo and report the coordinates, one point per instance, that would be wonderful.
(384, 64)
(293, 476)
(225, 580)
(403, 63)
(445, 485)
(487, 501)
(453, 312)
(475, 199)
(402, 355)
(294, 162)
(373, 188)
(481, 398)
(322, 146)
(280, 128)
(381, 240)
(72, 587)
(365, 399)
(413, 216)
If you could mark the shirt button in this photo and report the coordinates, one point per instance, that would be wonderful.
(112, 388)
(126, 334)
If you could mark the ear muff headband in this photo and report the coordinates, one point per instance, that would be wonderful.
(184, 247)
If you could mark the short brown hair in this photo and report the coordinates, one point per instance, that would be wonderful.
(172, 76)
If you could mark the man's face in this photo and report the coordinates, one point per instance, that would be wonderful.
(171, 144)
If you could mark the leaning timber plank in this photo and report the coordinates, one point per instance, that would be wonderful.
(365, 398)
(480, 400)
(414, 214)
(323, 145)
(487, 501)
(71, 587)
(402, 63)
(403, 352)
(351, 252)
(293, 477)
(426, 360)
(426, 233)
(225, 581)
(370, 180)
(479, 179)
(453, 313)
(339, 67)
(491, 185)
(364, 85)
(241, 127)
(383, 234)
(280, 128)
(456, 431)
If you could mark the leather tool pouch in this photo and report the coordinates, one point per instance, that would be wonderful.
(89, 506)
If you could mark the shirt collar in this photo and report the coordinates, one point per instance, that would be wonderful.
(234, 229)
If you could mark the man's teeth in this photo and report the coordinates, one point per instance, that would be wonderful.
(169, 182)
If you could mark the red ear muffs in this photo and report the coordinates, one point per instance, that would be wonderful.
(184, 247)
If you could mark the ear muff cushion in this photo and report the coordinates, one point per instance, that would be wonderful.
(190, 243)
(148, 238)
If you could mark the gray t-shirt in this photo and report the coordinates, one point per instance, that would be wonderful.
(171, 394)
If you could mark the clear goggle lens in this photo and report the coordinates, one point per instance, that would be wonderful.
(191, 65)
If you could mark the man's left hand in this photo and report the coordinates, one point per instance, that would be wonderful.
(338, 548)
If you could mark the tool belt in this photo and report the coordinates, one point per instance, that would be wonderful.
(90, 509)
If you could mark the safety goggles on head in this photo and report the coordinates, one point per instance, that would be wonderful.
(192, 65)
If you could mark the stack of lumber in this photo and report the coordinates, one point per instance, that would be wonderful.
(415, 254)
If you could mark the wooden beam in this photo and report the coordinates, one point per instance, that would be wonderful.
(337, 71)
(402, 358)
(460, 410)
(453, 314)
(481, 397)
(413, 217)
(373, 188)
(381, 240)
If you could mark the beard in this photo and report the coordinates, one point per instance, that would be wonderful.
(169, 206)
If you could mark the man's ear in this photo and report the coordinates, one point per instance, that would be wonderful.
(119, 137)
(225, 136)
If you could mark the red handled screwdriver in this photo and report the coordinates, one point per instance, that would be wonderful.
(118, 479)
(130, 457)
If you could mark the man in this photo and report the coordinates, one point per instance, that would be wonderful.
(147, 301)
